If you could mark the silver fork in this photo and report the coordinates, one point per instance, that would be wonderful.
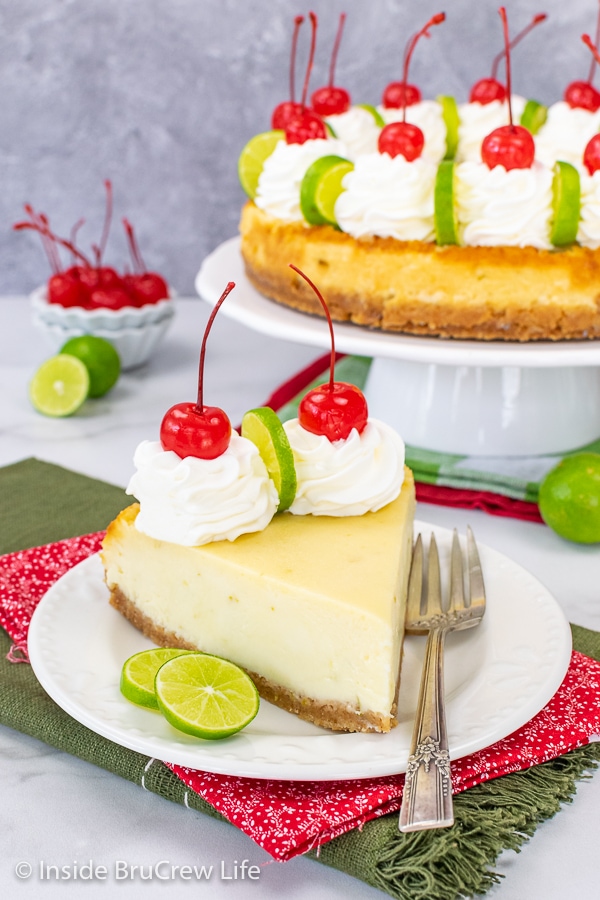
(427, 797)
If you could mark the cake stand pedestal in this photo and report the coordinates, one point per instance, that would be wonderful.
(474, 398)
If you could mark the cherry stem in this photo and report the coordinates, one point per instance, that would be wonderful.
(73, 235)
(219, 303)
(311, 56)
(107, 220)
(504, 18)
(589, 43)
(134, 249)
(336, 47)
(297, 23)
(410, 49)
(328, 315)
(537, 20)
(39, 222)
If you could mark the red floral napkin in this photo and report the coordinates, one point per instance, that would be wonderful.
(289, 818)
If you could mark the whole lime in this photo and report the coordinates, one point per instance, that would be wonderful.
(100, 359)
(569, 498)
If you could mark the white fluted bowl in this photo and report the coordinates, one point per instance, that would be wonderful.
(90, 320)
(135, 346)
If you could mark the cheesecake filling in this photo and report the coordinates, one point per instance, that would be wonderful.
(195, 501)
(349, 477)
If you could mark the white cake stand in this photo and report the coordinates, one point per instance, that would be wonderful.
(466, 397)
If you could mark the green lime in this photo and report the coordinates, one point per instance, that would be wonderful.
(451, 121)
(263, 427)
(566, 202)
(569, 498)
(205, 696)
(444, 212)
(330, 130)
(533, 116)
(379, 120)
(320, 188)
(139, 671)
(100, 359)
(253, 156)
(60, 386)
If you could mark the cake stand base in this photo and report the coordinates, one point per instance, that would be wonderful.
(486, 411)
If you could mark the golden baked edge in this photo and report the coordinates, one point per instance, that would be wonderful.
(413, 287)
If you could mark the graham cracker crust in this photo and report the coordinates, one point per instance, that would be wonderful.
(413, 287)
(332, 715)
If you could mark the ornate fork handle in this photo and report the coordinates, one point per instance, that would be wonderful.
(427, 800)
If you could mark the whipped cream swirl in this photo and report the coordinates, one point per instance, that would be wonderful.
(428, 116)
(565, 133)
(357, 129)
(278, 191)
(349, 477)
(194, 501)
(496, 207)
(388, 197)
(588, 234)
(477, 120)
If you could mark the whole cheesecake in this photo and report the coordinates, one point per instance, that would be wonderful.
(312, 607)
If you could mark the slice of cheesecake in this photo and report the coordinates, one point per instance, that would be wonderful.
(312, 607)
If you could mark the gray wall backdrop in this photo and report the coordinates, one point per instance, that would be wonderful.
(160, 96)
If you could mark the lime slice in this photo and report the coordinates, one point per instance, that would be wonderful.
(205, 696)
(534, 115)
(320, 188)
(569, 498)
(60, 386)
(252, 159)
(379, 120)
(330, 129)
(566, 202)
(444, 215)
(451, 121)
(100, 359)
(139, 671)
(263, 427)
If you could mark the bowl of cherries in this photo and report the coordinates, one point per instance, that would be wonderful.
(131, 310)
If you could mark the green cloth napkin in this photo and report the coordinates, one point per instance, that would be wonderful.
(40, 503)
(515, 477)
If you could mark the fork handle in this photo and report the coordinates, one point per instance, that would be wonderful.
(427, 797)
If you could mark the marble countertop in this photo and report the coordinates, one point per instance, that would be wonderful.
(57, 809)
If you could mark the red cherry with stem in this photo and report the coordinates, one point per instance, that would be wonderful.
(331, 410)
(511, 146)
(289, 108)
(591, 154)
(144, 286)
(193, 429)
(400, 94)
(583, 94)
(306, 125)
(401, 139)
(486, 90)
(331, 100)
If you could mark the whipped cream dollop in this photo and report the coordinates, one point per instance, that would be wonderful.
(349, 477)
(357, 129)
(496, 207)
(429, 117)
(194, 501)
(388, 197)
(588, 234)
(477, 120)
(278, 191)
(565, 134)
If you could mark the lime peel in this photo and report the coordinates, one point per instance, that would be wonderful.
(444, 211)
(569, 498)
(252, 159)
(139, 671)
(263, 427)
(100, 359)
(566, 204)
(321, 187)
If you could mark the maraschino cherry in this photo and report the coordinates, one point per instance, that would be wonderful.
(511, 146)
(306, 124)
(334, 409)
(583, 94)
(144, 286)
(486, 90)
(331, 100)
(193, 429)
(591, 154)
(402, 138)
(289, 108)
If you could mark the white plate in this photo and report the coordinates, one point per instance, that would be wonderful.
(246, 305)
(498, 676)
